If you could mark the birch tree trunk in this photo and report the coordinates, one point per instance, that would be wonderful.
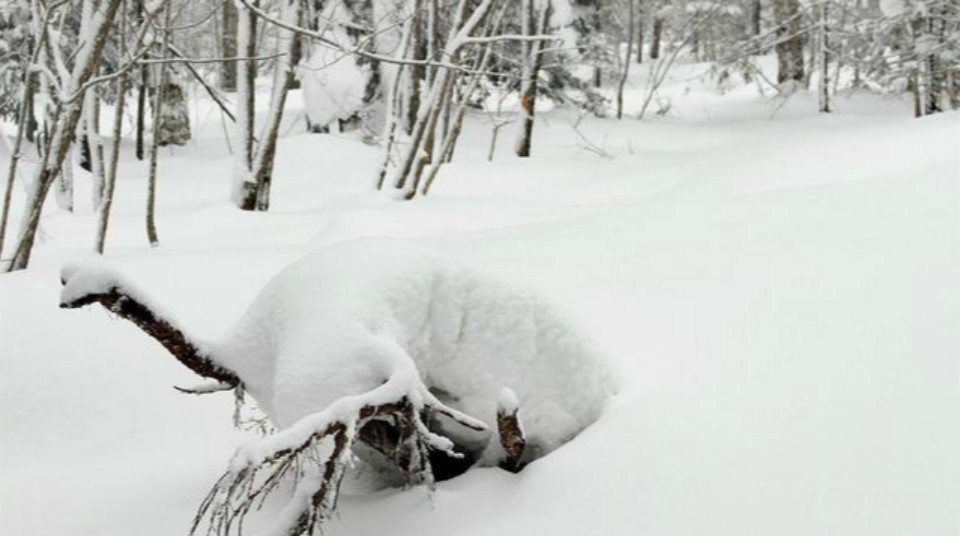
(533, 59)
(282, 81)
(244, 184)
(103, 218)
(66, 117)
(431, 107)
(631, 23)
(28, 89)
(158, 103)
(824, 89)
(393, 106)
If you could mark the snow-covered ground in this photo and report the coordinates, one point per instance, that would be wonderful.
(778, 291)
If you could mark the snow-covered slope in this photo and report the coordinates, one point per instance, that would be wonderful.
(779, 296)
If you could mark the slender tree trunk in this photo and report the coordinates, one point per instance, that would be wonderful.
(657, 35)
(415, 72)
(824, 59)
(755, 17)
(431, 106)
(28, 82)
(631, 22)
(641, 20)
(934, 78)
(94, 144)
(913, 86)
(283, 79)
(155, 137)
(450, 139)
(228, 46)
(393, 106)
(141, 111)
(244, 183)
(30, 104)
(141, 97)
(103, 219)
(532, 61)
(66, 118)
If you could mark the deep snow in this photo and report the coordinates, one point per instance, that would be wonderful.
(779, 296)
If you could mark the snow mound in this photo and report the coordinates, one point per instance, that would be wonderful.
(333, 85)
(344, 320)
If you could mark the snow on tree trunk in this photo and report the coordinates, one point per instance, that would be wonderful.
(244, 184)
(66, 119)
(432, 106)
(155, 138)
(256, 192)
(535, 21)
(103, 217)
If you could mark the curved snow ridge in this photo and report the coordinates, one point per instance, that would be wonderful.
(342, 321)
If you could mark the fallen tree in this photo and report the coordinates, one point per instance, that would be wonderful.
(412, 365)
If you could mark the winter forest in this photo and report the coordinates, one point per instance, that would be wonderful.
(479, 267)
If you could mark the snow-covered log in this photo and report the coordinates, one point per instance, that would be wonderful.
(379, 342)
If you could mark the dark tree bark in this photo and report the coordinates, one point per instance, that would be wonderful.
(755, 17)
(533, 60)
(66, 118)
(174, 125)
(631, 22)
(141, 97)
(657, 35)
(789, 41)
(141, 111)
(415, 72)
(641, 22)
(158, 104)
(110, 174)
(511, 438)
(228, 45)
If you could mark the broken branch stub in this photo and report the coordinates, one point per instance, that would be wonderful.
(511, 431)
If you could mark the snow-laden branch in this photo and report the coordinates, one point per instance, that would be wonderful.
(359, 49)
(85, 285)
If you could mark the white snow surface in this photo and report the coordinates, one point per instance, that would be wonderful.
(776, 289)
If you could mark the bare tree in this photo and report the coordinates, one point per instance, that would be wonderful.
(28, 83)
(256, 179)
(158, 103)
(228, 45)
(66, 117)
(535, 20)
(103, 218)
(625, 72)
